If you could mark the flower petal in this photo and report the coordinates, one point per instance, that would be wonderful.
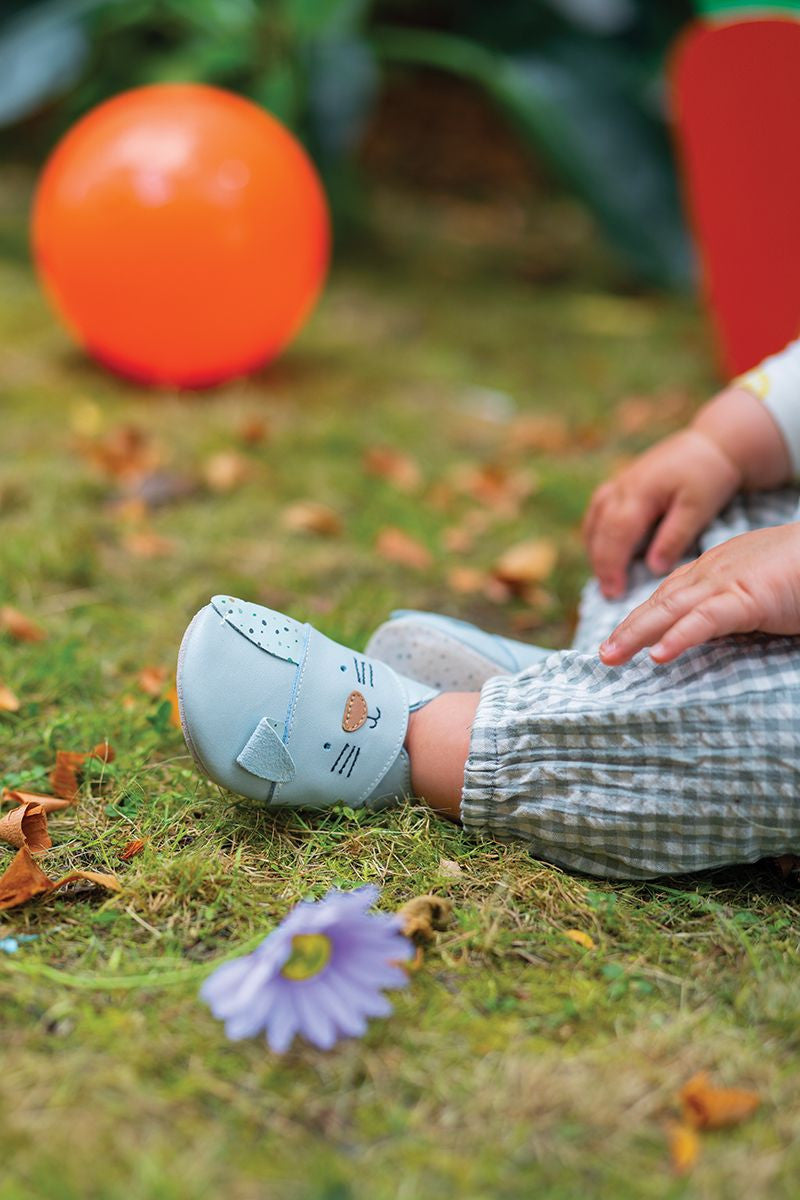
(283, 1021)
(339, 1003)
(316, 1023)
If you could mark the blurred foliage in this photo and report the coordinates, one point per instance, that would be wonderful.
(581, 81)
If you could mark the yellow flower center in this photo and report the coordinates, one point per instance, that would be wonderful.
(310, 953)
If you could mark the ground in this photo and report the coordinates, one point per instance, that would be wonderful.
(517, 1062)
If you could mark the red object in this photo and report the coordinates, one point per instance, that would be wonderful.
(736, 101)
(182, 234)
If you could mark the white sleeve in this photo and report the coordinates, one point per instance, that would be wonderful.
(777, 383)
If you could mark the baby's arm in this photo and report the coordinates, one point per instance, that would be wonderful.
(746, 437)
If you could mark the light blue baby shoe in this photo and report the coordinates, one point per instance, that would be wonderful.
(277, 712)
(448, 654)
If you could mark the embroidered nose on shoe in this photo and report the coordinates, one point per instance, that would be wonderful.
(355, 712)
(265, 755)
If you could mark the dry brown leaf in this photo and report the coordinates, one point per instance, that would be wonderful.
(395, 545)
(394, 466)
(24, 880)
(146, 543)
(125, 452)
(50, 804)
(539, 432)
(638, 414)
(496, 485)
(175, 712)
(580, 938)
(9, 702)
(527, 562)
(64, 777)
(253, 430)
(457, 539)
(684, 1146)
(18, 626)
(309, 516)
(151, 680)
(26, 825)
(467, 580)
(709, 1107)
(226, 471)
(132, 849)
(423, 916)
(103, 751)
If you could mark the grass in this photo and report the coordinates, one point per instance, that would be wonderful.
(517, 1062)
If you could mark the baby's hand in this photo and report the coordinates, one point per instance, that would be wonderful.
(750, 583)
(684, 480)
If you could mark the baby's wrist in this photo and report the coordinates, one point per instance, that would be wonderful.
(746, 433)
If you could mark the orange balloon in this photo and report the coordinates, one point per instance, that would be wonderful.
(182, 234)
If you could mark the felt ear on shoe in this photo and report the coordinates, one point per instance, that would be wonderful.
(266, 756)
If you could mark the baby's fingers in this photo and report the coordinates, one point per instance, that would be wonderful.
(648, 623)
(679, 528)
(613, 539)
(715, 617)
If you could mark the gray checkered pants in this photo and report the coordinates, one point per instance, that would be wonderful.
(644, 770)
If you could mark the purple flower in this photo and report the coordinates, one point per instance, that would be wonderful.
(319, 974)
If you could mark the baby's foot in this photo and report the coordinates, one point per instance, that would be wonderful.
(277, 712)
(448, 654)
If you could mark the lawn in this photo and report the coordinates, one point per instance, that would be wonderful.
(503, 357)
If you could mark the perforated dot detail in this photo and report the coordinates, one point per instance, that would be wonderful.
(277, 634)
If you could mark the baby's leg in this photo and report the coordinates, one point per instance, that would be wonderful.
(630, 772)
(438, 746)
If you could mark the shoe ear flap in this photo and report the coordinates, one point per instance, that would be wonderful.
(265, 755)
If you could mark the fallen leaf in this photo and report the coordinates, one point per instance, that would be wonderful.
(497, 591)
(580, 938)
(309, 516)
(50, 804)
(496, 485)
(423, 916)
(9, 702)
(146, 543)
(226, 471)
(103, 751)
(151, 680)
(394, 466)
(527, 562)
(24, 880)
(132, 849)
(125, 452)
(709, 1107)
(539, 432)
(466, 580)
(684, 1146)
(449, 869)
(18, 626)
(175, 712)
(26, 825)
(457, 539)
(253, 430)
(638, 414)
(64, 776)
(399, 547)
(130, 512)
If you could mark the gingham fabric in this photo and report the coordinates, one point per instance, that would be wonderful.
(645, 770)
